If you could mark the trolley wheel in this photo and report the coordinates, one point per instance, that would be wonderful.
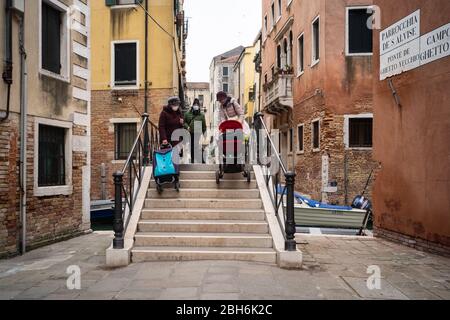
(217, 177)
(249, 176)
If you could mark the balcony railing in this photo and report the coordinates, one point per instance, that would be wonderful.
(279, 94)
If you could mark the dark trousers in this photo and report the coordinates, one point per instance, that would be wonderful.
(196, 150)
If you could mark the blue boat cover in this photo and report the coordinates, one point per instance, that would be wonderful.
(313, 203)
(164, 165)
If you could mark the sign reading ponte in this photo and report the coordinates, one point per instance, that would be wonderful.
(403, 48)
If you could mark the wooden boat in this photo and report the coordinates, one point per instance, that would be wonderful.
(306, 216)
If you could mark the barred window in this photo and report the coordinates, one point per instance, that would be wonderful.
(361, 131)
(51, 166)
(126, 134)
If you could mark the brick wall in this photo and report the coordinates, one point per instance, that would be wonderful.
(413, 242)
(106, 106)
(9, 185)
(349, 168)
(50, 218)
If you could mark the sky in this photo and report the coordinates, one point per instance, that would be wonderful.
(217, 26)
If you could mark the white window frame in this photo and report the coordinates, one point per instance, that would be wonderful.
(280, 9)
(124, 6)
(66, 189)
(313, 60)
(301, 125)
(347, 29)
(228, 72)
(112, 130)
(312, 135)
(273, 15)
(347, 129)
(300, 72)
(65, 41)
(113, 69)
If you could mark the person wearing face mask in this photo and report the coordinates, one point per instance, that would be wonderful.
(195, 118)
(170, 120)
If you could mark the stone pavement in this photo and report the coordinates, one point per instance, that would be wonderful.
(335, 268)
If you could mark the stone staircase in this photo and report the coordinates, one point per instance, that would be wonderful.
(204, 221)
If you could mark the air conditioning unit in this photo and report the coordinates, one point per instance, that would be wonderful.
(17, 5)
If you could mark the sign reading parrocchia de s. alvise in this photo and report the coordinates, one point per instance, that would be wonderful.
(403, 48)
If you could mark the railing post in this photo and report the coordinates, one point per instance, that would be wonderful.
(258, 117)
(146, 153)
(118, 242)
(290, 243)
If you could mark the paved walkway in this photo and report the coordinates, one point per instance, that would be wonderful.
(335, 268)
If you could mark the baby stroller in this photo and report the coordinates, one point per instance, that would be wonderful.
(165, 168)
(233, 150)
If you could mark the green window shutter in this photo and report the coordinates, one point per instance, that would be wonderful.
(110, 3)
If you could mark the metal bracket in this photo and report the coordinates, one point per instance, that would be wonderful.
(394, 93)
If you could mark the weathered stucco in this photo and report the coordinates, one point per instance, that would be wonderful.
(412, 141)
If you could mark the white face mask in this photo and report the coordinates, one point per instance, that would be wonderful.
(175, 108)
(196, 108)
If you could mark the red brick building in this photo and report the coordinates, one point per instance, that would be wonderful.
(317, 80)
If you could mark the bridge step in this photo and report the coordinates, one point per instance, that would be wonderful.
(178, 239)
(211, 184)
(203, 214)
(197, 253)
(220, 226)
(205, 193)
(204, 203)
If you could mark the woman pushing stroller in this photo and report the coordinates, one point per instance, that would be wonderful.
(230, 109)
(232, 144)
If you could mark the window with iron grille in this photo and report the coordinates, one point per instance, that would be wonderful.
(225, 87)
(125, 64)
(316, 135)
(126, 134)
(225, 71)
(361, 133)
(51, 38)
(51, 163)
(359, 36)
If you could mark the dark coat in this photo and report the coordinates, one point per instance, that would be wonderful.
(169, 121)
(190, 118)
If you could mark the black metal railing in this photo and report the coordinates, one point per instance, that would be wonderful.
(128, 181)
(273, 167)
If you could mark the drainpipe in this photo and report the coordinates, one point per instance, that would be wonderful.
(8, 67)
(146, 58)
(23, 134)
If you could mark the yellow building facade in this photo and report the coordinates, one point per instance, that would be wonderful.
(244, 75)
(118, 76)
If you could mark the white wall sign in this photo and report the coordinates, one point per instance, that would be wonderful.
(403, 49)
(400, 33)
